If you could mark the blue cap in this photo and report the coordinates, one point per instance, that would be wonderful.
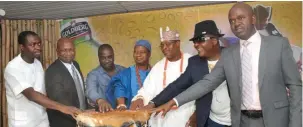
(144, 43)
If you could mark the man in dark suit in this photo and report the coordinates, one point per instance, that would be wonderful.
(263, 24)
(257, 70)
(64, 84)
(206, 42)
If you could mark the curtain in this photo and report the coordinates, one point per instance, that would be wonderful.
(48, 30)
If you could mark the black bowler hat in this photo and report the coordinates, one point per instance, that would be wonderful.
(206, 27)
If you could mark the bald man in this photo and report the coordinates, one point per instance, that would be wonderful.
(257, 70)
(64, 84)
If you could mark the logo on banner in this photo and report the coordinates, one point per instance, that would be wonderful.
(76, 29)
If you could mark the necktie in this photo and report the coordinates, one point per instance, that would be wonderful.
(247, 95)
(80, 91)
(211, 67)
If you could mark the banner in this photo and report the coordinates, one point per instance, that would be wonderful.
(86, 46)
(123, 30)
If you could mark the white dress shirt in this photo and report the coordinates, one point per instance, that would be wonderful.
(20, 75)
(254, 48)
(69, 68)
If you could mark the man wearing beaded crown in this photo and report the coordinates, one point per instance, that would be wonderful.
(163, 73)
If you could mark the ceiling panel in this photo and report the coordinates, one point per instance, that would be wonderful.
(149, 5)
(73, 9)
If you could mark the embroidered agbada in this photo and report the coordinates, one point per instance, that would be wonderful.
(153, 85)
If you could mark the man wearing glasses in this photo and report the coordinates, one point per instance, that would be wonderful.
(212, 110)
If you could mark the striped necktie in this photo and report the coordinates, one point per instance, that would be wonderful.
(246, 65)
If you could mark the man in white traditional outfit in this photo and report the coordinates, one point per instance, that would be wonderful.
(162, 74)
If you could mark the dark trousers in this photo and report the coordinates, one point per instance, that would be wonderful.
(211, 123)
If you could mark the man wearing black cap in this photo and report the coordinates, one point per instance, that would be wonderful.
(214, 106)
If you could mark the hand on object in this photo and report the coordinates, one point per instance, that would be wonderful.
(104, 106)
(137, 104)
(164, 108)
(73, 111)
(150, 106)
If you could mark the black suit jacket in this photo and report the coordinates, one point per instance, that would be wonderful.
(196, 69)
(60, 87)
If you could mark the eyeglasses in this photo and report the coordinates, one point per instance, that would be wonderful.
(202, 39)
